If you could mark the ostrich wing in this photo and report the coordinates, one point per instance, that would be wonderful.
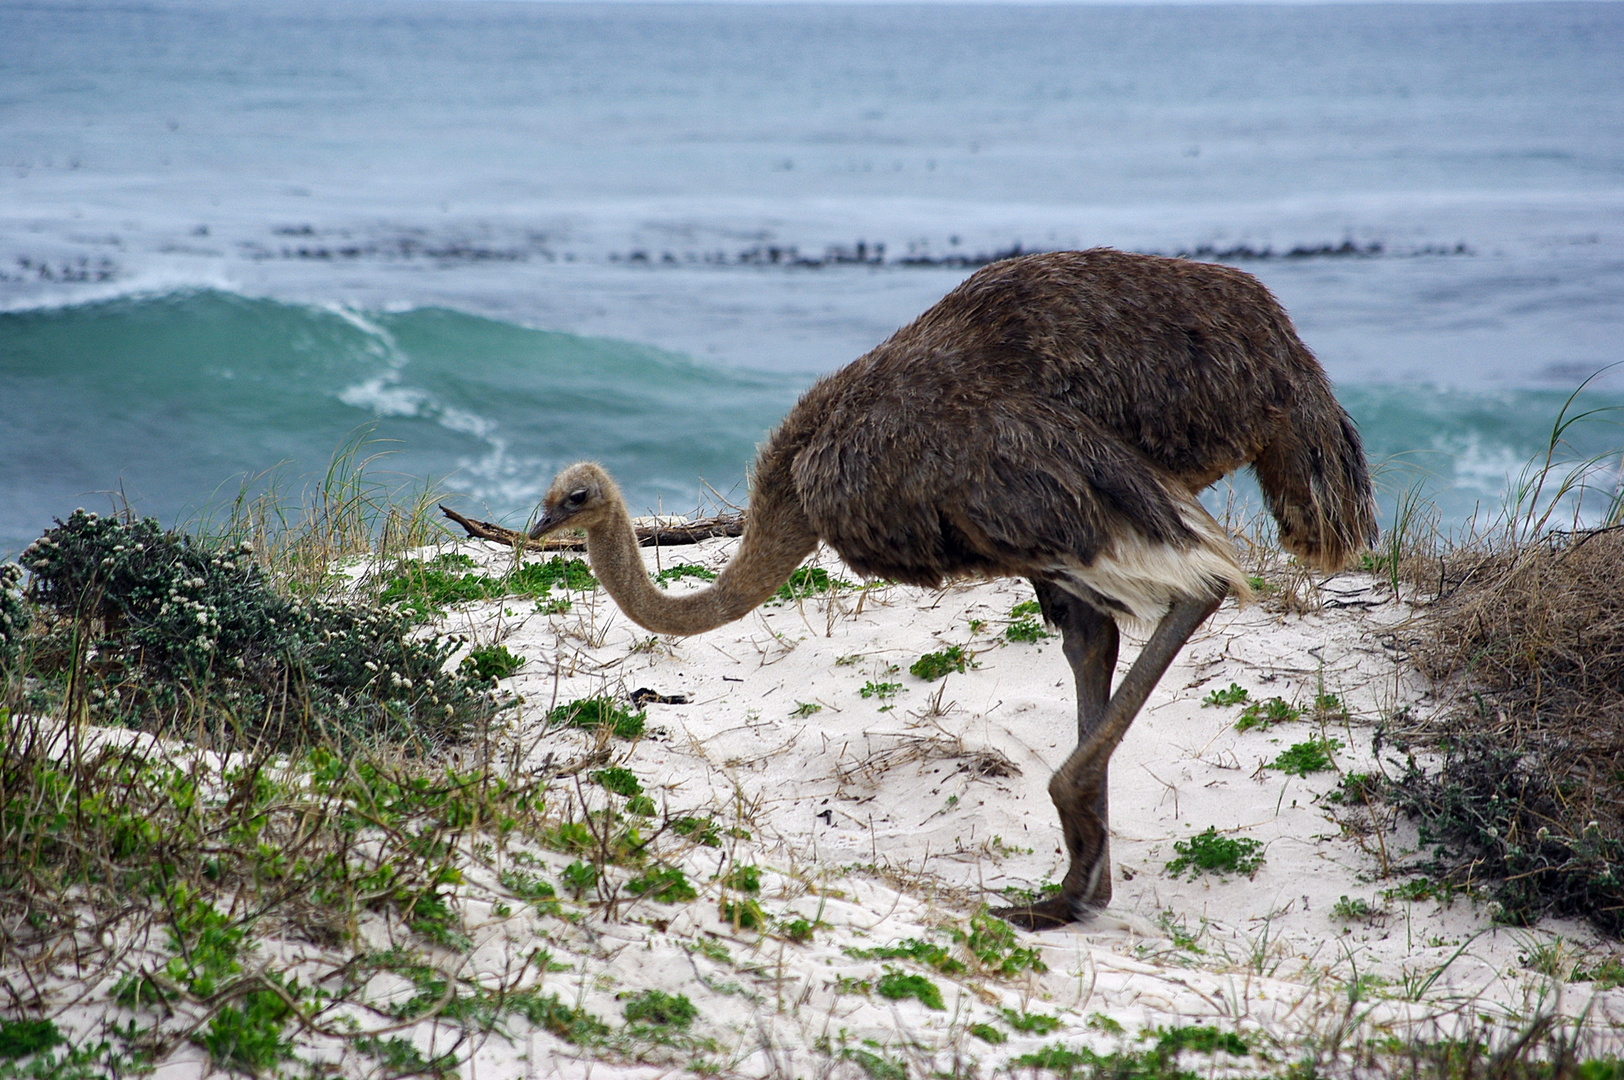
(924, 490)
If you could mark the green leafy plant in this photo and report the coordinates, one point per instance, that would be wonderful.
(988, 1034)
(667, 884)
(744, 879)
(683, 570)
(992, 942)
(1025, 625)
(1265, 714)
(1307, 757)
(1233, 694)
(924, 952)
(797, 930)
(598, 712)
(1030, 1023)
(619, 780)
(881, 690)
(897, 985)
(1208, 852)
(700, 830)
(425, 588)
(745, 914)
(660, 1008)
(249, 1035)
(806, 708)
(531, 889)
(490, 663)
(809, 581)
(1354, 909)
(580, 877)
(939, 665)
(1356, 789)
(25, 1038)
(1330, 707)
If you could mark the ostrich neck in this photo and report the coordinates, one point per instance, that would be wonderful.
(777, 538)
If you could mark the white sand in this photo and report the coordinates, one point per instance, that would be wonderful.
(883, 823)
(881, 820)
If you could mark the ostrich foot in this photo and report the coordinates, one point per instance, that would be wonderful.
(1050, 914)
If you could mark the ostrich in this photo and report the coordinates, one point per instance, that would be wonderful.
(1053, 418)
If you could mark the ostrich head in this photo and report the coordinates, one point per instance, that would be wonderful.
(581, 496)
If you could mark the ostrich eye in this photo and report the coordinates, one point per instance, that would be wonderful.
(577, 497)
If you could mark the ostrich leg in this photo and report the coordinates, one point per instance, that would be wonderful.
(1079, 787)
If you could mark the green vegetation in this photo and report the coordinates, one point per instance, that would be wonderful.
(426, 588)
(700, 830)
(938, 665)
(1030, 1023)
(743, 914)
(25, 1038)
(1415, 889)
(1330, 707)
(1209, 853)
(167, 632)
(1355, 909)
(897, 985)
(683, 570)
(745, 879)
(597, 713)
(1307, 757)
(806, 708)
(1357, 789)
(1265, 714)
(1233, 694)
(581, 877)
(808, 581)
(659, 1008)
(1177, 929)
(489, 663)
(797, 930)
(1023, 626)
(881, 690)
(1160, 1062)
(667, 884)
(987, 944)
(925, 952)
(622, 782)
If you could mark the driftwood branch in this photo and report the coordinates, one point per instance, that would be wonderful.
(688, 532)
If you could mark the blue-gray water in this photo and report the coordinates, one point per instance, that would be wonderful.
(510, 235)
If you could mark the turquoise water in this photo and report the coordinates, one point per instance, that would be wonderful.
(180, 396)
(503, 236)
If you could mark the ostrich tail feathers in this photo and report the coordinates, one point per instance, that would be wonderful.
(1317, 485)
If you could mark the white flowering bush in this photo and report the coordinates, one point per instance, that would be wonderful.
(177, 626)
(14, 618)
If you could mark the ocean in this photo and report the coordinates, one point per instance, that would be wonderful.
(493, 238)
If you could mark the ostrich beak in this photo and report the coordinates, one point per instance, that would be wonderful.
(551, 518)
